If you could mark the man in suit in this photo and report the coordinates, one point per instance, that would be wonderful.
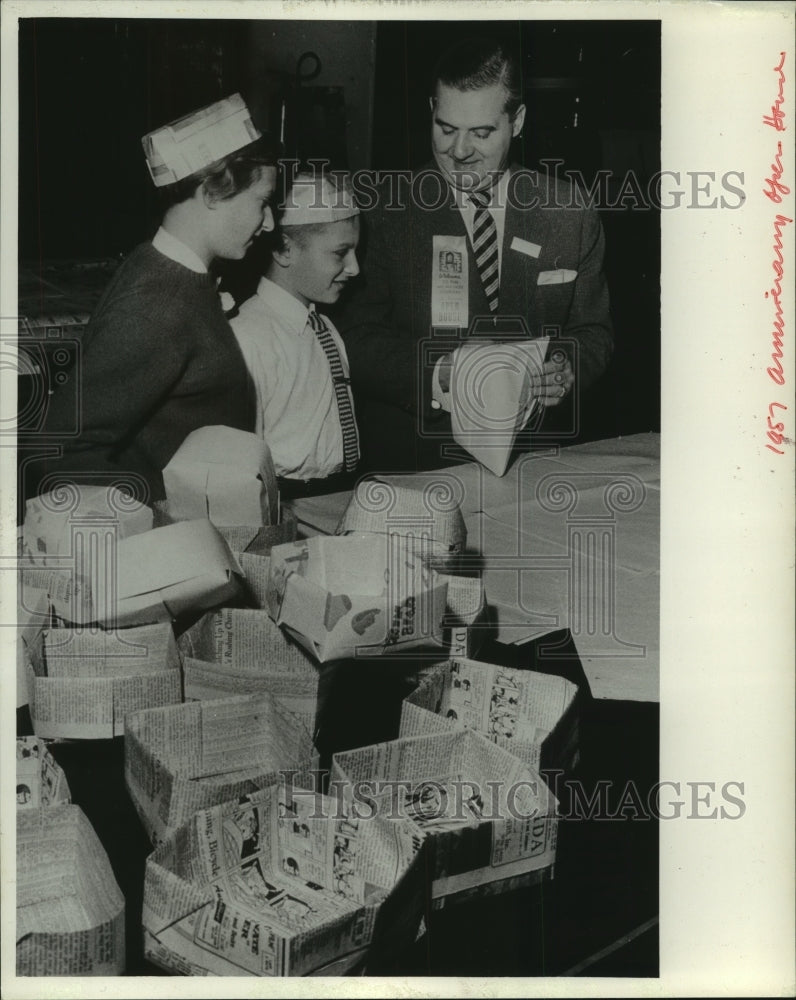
(473, 246)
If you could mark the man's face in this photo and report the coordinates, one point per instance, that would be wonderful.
(471, 134)
(323, 260)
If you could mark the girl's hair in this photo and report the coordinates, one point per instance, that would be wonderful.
(228, 176)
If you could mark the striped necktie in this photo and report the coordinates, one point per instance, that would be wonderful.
(345, 409)
(485, 246)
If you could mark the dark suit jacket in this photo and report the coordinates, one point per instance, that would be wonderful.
(386, 324)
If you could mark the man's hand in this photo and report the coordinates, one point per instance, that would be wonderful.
(554, 380)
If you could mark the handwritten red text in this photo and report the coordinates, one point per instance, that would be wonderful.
(774, 190)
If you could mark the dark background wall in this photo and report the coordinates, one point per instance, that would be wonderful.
(91, 87)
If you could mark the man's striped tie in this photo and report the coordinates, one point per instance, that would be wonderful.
(485, 246)
(345, 410)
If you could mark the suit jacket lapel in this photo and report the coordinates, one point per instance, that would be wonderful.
(519, 271)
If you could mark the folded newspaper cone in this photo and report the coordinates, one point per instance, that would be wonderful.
(54, 520)
(491, 819)
(535, 716)
(241, 651)
(225, 475)
(492, 397)
(70, 912)
(187, 757)
(82, 684)
(432, 515)
(280, 882)
(40, 780)
(366, 595)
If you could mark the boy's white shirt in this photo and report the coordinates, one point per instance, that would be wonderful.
(297, 412)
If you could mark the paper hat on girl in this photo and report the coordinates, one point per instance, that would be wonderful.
(317, 198)
(198, 140)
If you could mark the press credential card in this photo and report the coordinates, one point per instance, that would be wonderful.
(449, 282)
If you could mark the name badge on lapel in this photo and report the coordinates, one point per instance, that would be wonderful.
(449, 306)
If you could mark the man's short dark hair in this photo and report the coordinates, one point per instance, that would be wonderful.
(480, 62)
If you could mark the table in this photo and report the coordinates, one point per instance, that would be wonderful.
(568, 539)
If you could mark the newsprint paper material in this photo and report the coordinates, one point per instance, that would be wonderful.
(441, 785)
(70, 912)
(82, 683)
(182, 758)
(41, 781)
(534, 716)
(492, 397)
(241, 651)
(280, 882)
(360, 594)
(225, 475)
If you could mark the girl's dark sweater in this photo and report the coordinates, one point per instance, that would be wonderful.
(157, 361)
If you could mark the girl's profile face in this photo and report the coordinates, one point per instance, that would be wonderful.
(237, 220)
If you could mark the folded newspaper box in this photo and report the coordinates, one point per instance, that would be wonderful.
(241, 538)
(183, 758)
(432, 515)
(260, 540)
(535, 716)
(256, 570)
(224, 474)
(433, 518)
(466, 615)
(364, 594)
(493, 395)
(173, 570)
(34, 614)
(491, 820)
(280, 883)
(54, 519)
(154, 576)
(82, 684)
(70, 912)
(40, 780)
(241, 651)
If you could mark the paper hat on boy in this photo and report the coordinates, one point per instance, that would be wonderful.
(194, 142)
(317, 199)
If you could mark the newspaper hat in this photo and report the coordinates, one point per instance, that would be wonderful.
(198, 140)
(318, 198)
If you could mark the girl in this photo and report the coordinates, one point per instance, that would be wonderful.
(159, 359)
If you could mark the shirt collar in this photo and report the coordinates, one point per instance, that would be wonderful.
(287, 305)
(177, 251)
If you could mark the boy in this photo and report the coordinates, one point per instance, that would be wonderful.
(305, 410)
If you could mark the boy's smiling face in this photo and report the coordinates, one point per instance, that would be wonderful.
(320, 259)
